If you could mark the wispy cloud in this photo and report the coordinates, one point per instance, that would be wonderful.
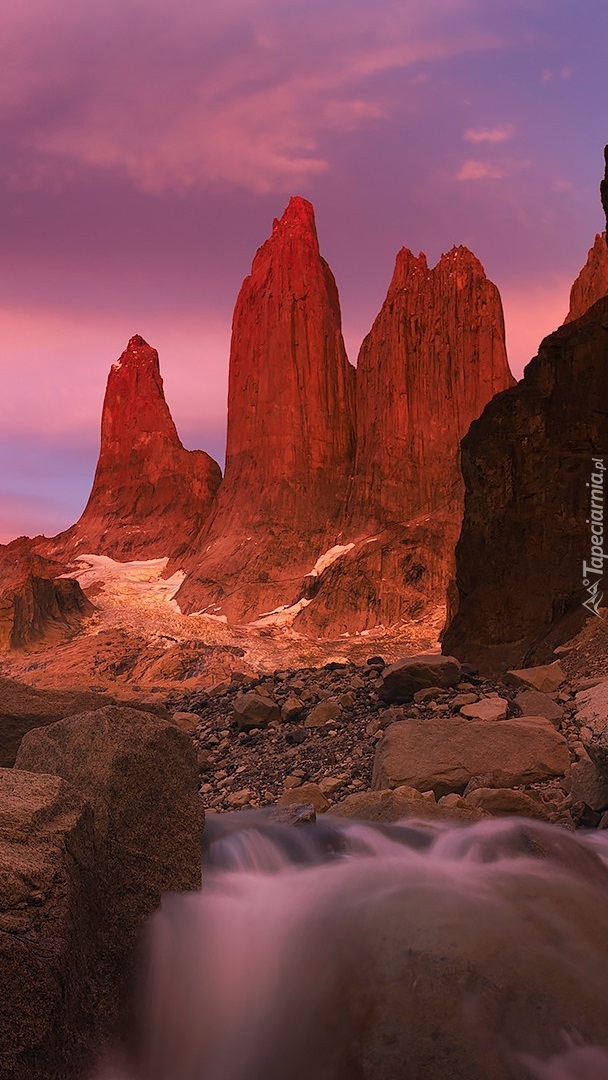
(490, 135)
(247, 94)
(479, 170)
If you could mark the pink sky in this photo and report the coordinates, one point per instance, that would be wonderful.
(147, 147)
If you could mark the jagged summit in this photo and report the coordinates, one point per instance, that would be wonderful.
(290, 443)
(298, 214)
(150, 495)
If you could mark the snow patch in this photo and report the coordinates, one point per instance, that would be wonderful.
(328, 558)
(281, 616)
(133, 579)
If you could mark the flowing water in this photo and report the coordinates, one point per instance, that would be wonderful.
(347, 951)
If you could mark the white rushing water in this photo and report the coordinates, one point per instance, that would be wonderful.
(356, 952)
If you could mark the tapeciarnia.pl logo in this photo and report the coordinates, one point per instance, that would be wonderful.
(593, 571)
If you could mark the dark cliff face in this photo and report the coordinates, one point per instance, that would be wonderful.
(150, 496)
(290, 444)
(527, 463)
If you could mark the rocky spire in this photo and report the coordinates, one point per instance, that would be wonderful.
(150, 496)
(290, 442)
(435, 356)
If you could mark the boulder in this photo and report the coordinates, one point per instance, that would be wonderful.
(23, 708)
(443, 754)
(535, 703)
(401, 680)
(140, 775)
(490, 708)
(398, 804)
(546, 679)
(305, 794)
(253, 710)
(503, 802)
(592, 718)
(53, 968)
(323, 714)
(588, 785)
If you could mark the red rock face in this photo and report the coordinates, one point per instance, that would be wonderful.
(592, 282)
(434, 358)
(36, 602)
(290, 440)
(150, 496)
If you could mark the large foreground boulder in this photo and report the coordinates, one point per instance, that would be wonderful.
(24, 707)
(50, 956)
(442, 755)
(140, 776)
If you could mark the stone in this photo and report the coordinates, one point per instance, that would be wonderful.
(329, 785)
(504, 802)
(401, 680)
(428, 693)
(307, 793)
(588, 785)
(186, 721)
(348, 700)
(546, 679)
(53, 969)
(240, 798)
(499, 618)
(399, 804)
(592, 282)
(150, 496)
(535, 703)
(442, 755)
(140, 775)
(592, 719)
(489, 708)
(323, 714)
(291, 434)
(463, 699)
(24, 707)
(292, 709)
(296, 814)
(253, 710)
